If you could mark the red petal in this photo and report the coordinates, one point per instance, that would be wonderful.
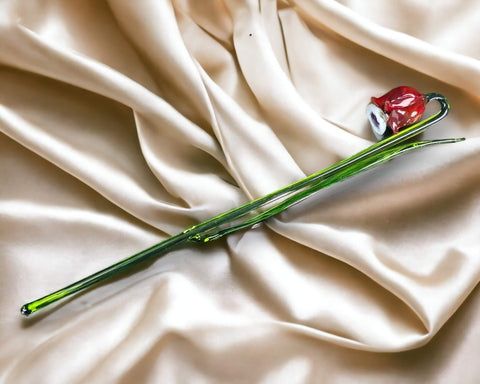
(403, 100)
(399, 97)
(402, 117)
(379, 101)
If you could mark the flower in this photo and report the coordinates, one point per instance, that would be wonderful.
(398, 108)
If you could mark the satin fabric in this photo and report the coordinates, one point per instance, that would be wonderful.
(125, 122)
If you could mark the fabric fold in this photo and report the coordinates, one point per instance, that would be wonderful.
(122, 123)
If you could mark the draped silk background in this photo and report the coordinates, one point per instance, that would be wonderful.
(124, 122)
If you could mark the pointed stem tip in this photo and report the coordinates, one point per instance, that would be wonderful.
(25, 311)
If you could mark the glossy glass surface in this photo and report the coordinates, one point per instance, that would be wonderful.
(267, 206)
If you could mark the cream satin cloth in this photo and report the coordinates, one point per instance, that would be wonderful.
(125, 122)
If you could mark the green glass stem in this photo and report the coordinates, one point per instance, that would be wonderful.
(272, 203)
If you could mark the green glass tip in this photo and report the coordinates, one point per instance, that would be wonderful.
(25, 311)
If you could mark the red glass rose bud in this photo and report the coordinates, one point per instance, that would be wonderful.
(398, 108)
